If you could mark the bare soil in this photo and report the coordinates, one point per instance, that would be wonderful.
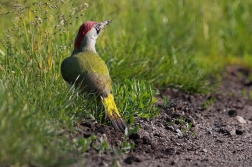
(220, 135)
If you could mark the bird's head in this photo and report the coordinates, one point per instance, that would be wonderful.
(88, 33)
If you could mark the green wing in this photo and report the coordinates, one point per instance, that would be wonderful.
(88, 69)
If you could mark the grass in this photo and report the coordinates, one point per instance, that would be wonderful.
(149, 45)
(185, 128)
(208, 102)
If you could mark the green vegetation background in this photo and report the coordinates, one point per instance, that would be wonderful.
(149, 44)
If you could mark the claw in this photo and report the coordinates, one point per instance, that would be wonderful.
(118, 122)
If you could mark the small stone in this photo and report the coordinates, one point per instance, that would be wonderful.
(105, 138)
(162, 140)
(154, 146)
(146, 140)
(240, 119)
(179, 133)
(204, 150)
(138, 141)
(232, 113)
(233, 132)
(142, 133)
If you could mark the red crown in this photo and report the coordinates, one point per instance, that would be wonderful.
(84, 28)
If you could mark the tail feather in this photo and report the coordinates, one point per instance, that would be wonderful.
(112, 113)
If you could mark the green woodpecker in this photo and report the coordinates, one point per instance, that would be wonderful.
(85, 69)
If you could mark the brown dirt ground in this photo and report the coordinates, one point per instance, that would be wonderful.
(223, 128)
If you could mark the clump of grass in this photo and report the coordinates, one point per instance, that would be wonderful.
(243, 92)
(185, 129)
(250, 95)
(132, 97)
(29, 134)
(208, 102)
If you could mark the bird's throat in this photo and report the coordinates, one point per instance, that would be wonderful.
(87, 45)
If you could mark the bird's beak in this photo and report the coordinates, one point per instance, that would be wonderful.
(99, 26)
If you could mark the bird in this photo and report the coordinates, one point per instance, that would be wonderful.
(85, 69)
